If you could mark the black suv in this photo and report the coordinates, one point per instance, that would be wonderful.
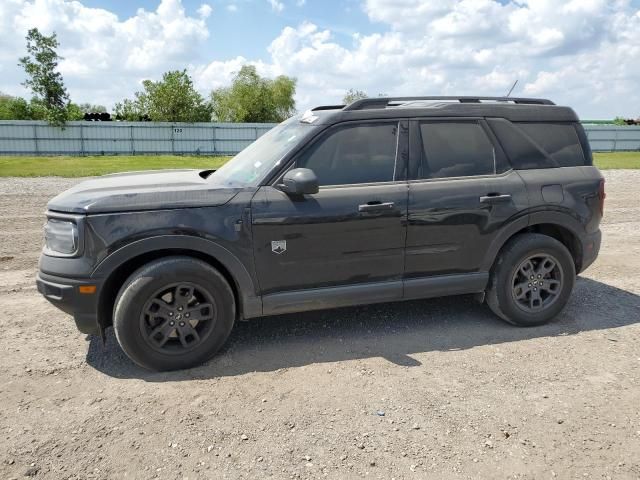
(384, 199)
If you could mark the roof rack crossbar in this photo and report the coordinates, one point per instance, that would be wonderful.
(371, 103)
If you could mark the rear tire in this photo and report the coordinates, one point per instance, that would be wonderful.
(531, 280)
(173, 313)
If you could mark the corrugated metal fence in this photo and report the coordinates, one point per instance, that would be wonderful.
(613, 138)
(127, 138)
(137, 138)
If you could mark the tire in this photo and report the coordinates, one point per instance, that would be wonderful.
(520, 292)
(173, 313)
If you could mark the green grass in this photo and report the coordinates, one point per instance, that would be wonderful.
(88, 166)
(620, 160)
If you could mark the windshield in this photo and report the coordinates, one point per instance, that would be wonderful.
(250, 166)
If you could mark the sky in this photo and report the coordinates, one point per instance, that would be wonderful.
(581, 53)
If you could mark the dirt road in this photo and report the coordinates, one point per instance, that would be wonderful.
(426, 389)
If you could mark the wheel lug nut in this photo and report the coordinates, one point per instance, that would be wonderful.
(535, 289)
(539, 276)
(172, 323)
(187, 315)
(179, 309)
(529, 284)
(531, 277)
(182, 324)
(171, 314)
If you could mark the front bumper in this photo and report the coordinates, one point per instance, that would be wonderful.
(65, 294)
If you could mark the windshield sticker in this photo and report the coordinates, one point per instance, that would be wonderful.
(309, 117)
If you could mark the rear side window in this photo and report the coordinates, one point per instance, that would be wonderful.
(540, 145)
(456, 149)
(363, 153)
(559, 141)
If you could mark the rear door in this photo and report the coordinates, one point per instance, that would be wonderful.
(353, 230)
(461, 193)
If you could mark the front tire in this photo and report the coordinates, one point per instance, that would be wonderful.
(173, 313)
(532, 280)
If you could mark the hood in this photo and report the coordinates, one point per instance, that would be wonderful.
(151, 190)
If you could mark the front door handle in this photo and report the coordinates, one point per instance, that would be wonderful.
(376, 207)
(495, 198)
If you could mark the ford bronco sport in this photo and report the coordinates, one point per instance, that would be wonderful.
(384, 199)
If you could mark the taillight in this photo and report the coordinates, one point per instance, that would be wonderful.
(602, 195)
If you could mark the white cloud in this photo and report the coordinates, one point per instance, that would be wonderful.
(205, 10)
(105, 58)
(232, 7)
(585, 53)
(276, 5)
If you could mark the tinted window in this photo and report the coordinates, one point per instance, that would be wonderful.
(520, 150)
(354, 154)
(539, 145)
(456, 150)
(559, 141)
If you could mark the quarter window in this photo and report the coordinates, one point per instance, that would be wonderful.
(559, 141)
(364, 153)
(456, 149)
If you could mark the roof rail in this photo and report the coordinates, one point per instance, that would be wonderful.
(371, 103)
(328, 107)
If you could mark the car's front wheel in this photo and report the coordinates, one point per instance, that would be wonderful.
(173, 313)
(531, 280)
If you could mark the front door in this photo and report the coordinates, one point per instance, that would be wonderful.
(352, 232)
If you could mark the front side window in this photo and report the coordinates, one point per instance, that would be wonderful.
(456, 149)
(363, 153)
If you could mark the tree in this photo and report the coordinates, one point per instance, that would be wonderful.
(44, 80)
(252, 98)
(90, 108)
(74, 112)
(352, 95)
(16, 108)
(129, 110)
(172, 99)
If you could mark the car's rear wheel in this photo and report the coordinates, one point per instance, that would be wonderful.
(531, 280)
(173, 313)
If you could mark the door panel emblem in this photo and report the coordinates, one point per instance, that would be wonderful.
(278, 246)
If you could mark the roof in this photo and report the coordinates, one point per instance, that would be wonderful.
(514, 109)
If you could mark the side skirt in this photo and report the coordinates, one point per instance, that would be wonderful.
(368, 293)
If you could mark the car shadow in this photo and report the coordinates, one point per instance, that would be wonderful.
(393, 331)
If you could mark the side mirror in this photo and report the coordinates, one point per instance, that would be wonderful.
(299, 181)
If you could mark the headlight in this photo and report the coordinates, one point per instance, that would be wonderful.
(61, 237)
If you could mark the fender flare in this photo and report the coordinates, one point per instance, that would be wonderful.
(251, 303)
(552, 217)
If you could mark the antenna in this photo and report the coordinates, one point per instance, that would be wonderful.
(512, 87)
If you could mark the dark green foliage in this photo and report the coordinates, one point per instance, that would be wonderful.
(172, 99)
(252, 98)
(43, 79)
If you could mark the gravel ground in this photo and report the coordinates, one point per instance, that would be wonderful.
(425, 389)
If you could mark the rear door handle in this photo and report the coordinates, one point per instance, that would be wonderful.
(376, 207)
(495, 198)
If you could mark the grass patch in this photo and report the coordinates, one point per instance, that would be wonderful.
(89, 166)
(619, 160)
